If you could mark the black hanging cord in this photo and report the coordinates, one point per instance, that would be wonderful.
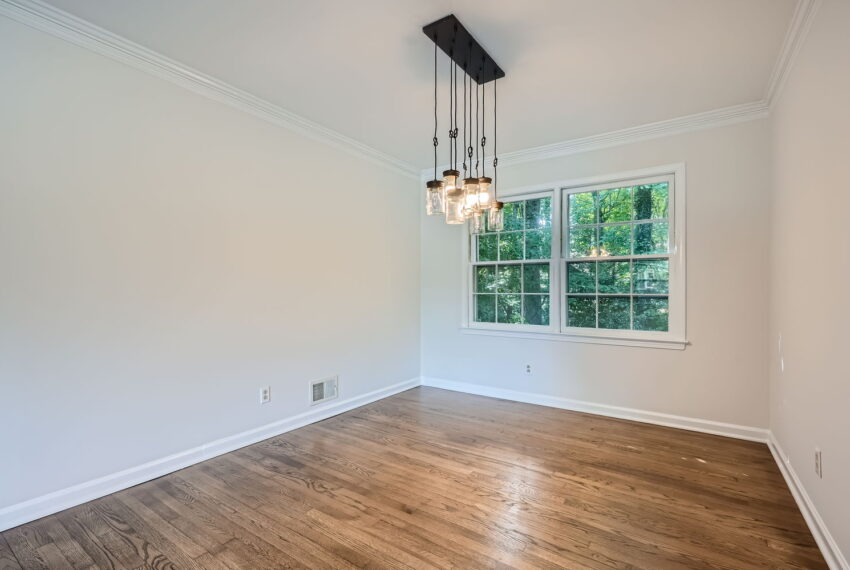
(495, 141)
(476, 128)
(483, 130)
(454, 131)
(436, 142)
(465, 77)
(451, 102)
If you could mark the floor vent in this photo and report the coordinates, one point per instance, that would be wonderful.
(322, 390)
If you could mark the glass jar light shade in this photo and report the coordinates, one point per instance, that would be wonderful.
(486, 193)
(454, 206)
(435, 197)
(476, 222)
(496, 217)
(450, 179)
(470, 190)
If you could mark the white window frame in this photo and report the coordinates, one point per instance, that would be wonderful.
(674, 338)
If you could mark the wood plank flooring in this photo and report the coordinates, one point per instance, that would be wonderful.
(436, 479)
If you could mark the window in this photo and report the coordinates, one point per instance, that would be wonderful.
(512, 267)
(593, 260)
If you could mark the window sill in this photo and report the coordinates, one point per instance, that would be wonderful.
(668, 344)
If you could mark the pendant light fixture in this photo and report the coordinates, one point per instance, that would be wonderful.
(496, 214)
(471, 196)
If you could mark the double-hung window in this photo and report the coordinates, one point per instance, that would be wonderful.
(596, 260)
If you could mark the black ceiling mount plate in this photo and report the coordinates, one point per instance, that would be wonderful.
(450, 35)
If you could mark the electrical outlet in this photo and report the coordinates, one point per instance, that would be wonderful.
(528, 369)
(818, 463)
(265, 395)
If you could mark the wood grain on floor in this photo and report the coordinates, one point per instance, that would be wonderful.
(436, 479)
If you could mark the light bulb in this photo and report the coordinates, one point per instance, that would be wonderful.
(485, 193)
(454, 206)
(450, 179)
(435, 197)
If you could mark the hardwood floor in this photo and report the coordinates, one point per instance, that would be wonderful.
(437, 479)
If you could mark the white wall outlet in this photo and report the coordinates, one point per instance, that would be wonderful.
(265, 395)
(528, 370)
(818, 463)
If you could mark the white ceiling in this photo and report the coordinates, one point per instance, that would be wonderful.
(574, 67)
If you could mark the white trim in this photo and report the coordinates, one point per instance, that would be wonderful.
(828, 546)
(670, 344)
(645, 416)
(798, 28)
(62, 499)
(44, 17)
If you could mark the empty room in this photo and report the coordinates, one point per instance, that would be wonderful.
(424, 284)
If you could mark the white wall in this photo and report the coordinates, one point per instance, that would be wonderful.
(722, 376)
(811, 267)
(164, 256)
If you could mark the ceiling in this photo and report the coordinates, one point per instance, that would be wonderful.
(365, 69)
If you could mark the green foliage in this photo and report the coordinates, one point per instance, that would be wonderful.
(485, 279)
(535, 278)
(581, 277)
(615, 205)
(538, 213)
(582, 208)
(508, 279)
(581, 312)
(651, 276)
(651, 238)
(510, 246)
(538, 244)
(514, 216)
(485, 308)
(536, 309)
(651, 313)
(614, 312)
(615, 240)
(509, 309)
(488, 247)
(651, 201)
(583, 242)
(614, 277)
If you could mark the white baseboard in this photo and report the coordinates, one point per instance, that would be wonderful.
(828, 546)
(62, 499)
(681, 422)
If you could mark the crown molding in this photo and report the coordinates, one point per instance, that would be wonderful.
(798, 28)
(46, 18)
(688, 123)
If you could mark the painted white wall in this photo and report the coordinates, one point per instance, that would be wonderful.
(722, 376)
(164, 256)
(810, 266)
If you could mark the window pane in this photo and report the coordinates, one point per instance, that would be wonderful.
(652, 276)
(582, 208)
(536, 278)
(615, 240)
(538, 213)
(651, 201)
(581, 312)
(582, 242)
(536, 309)
(538, 244)
(488, 247)
(509, 308)
(485, 308)
(513, 212)
(615, 205)
(485, 279)
(614, 313)
(508, 280)
(651, 238)
(510, 246)
(581, 277)
(651, 313)
(614, 277)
